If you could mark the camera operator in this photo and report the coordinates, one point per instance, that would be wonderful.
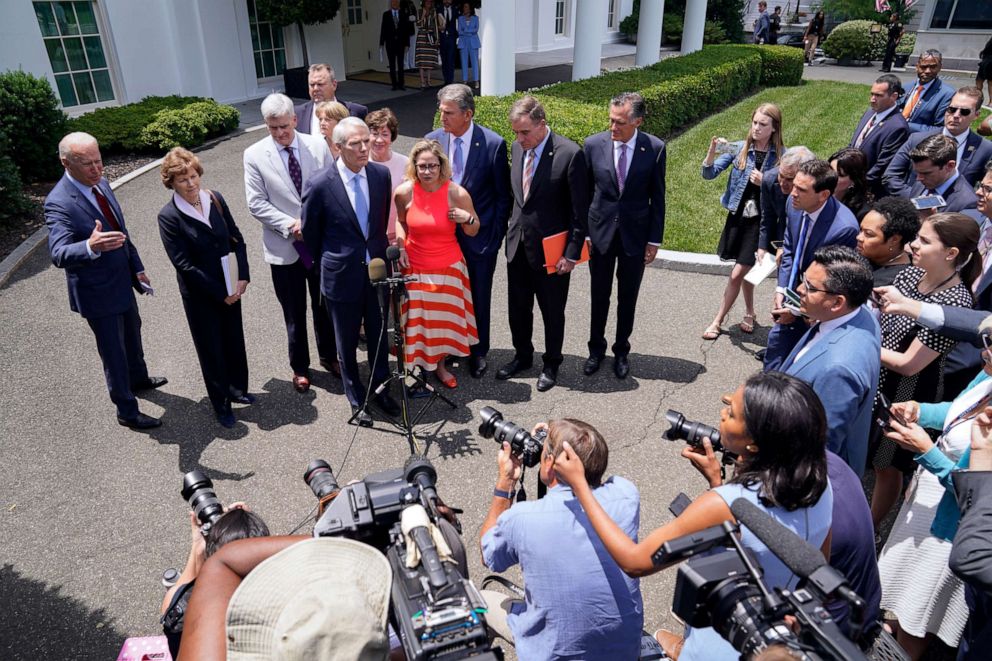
(776, 425)
(237, 522)
(578, 603)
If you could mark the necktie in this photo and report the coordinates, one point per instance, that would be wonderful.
(867, 129)
(908, 110)
(458, 162)
(622, 167)
(105, 209)
(396, 19)
(799, 253)
(361, 207)
(528, 173)
(295, 173)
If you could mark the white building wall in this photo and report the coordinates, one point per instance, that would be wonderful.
(21, 47)
(140, 39)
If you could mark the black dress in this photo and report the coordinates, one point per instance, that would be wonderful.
(739, 240)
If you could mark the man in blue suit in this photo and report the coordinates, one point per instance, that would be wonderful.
(479, 164)
(973, 151)
(449, 41)
(762, 25)
(626, 222)
(87, 238)
(924, 103)
(815, 219)
(345, 209)
(937, 174)
(840, 355)
(881, 131)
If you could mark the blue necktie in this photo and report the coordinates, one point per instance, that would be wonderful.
(798, 260)
(458, 161)
(361, 210)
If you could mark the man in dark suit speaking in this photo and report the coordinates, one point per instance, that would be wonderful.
(322, 86)
(549, 184)
(87, 238)
(345, 209)
(626, 222)
(394, 35)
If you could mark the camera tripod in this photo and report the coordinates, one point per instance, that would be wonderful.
(395, 289)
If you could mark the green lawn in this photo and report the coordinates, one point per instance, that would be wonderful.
(819, 114)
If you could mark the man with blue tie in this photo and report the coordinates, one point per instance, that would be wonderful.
(479, 164)
(815, 219)
(87, 237)
(345, 212)
(840, 355)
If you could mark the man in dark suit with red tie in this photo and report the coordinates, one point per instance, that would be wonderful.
(550, 184)
(626, 222)
(881, 131)
(87, 238)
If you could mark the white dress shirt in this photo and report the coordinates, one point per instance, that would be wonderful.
(825, 328)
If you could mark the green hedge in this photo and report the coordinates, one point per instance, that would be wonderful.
(34, 124)
(13, 202)
(678, 91)
(189, 126)
(854, 40)
(122, 128)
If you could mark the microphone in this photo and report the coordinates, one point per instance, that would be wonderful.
(416, 524)
(392, 253)
(377, 270)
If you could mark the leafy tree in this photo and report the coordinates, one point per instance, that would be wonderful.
(298, 13)
(728, 15)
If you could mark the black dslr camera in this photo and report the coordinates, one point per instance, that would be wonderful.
(693, 433)
(199, 492)
(522, 444)
(435, 608)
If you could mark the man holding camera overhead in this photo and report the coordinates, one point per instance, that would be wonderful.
(579, 604)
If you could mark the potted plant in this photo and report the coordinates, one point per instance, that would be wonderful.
(298, 13)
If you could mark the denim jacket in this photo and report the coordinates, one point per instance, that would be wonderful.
(738, 178)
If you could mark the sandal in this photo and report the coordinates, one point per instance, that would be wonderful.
(747, 323)
(450, 383)
(712, 332)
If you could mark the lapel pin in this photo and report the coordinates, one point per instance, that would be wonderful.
(551, 153)
(476, 144)
(642, 148)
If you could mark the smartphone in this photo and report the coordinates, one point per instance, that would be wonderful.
(876, 299)
(677, 506)
(885, 415)
(928, 202)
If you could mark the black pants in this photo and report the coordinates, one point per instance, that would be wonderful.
(890, 53)
(449, 55)
(394, 55)
(347, 318)
(629, 272)
(118, 339)
(291, 282)
(219, 339)
(551, 291)
(481, 269)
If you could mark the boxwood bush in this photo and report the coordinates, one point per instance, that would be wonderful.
(13, 202)
(781, 65)
(189, 126)
(34, 124)
(854, 40)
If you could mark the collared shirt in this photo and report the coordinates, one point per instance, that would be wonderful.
(579, 603)
(801, 250)
(87, 192)
(879, 116)
(940, 190)
(466, 139)
(630, 151)
(825, 328)
(538, 150)
(315, 121)
(295, 146)
(349, 188)
(962, 140)
(202, 214)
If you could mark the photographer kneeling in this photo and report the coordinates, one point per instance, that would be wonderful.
(579, 604)
(776, 425)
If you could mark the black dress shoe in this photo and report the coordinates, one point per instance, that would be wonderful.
(477, 366)
(591, 365)
(515, 366)
(621, 366)
(225, 417)
(150, 383)
(362, 418)
(759, 355)
(140, 421)
(388, 404)
(548, 379)
(332, 366)
(243, 398)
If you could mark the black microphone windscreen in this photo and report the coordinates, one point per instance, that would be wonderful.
(794, 552)
(377, 270)
(392, 253)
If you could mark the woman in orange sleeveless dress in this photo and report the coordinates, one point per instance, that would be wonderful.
(438, 317)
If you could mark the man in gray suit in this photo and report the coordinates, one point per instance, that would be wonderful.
(276, 168)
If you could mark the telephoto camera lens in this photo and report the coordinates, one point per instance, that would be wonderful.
(198, 491)
(691, 432)
(320, 479)
(521, 442)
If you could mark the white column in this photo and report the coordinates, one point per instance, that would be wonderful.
(695, 23)
(649, 32)
(497, 61)
(590, 28)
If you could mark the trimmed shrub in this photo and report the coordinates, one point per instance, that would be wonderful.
(672, 27)
(189, 126)
(118, 129)
(13, 202)
(34, 123)
(781, 65)
(854, 40)
(907, 44)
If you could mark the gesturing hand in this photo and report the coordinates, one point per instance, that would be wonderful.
(101, 241)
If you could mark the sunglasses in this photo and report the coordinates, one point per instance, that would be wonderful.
(964, 112)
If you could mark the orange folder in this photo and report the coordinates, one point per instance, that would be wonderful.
(554, 248)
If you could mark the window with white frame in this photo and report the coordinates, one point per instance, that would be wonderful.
(611, 16)
(75, 51)
(354, 12)
(266, 44)
(560, 23)
(962, 15)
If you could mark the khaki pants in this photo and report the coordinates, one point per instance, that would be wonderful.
(811, 42)
(499, 605)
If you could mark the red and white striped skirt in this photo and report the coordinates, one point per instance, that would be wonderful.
(438, 317)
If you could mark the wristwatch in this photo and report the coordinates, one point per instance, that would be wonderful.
(471, 220)
(504, 494)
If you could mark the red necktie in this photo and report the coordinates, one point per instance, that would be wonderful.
(108, 213)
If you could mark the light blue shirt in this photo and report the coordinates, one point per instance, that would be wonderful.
(87, 192)
(284, 155)
(349, 187)
(538, 150)
(580, 604)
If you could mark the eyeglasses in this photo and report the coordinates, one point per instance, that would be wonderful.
(984, 189)
(810, 288)
(428, 167)
(964, 112)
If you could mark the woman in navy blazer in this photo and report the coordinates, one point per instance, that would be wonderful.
(199, 235)
(468, 43)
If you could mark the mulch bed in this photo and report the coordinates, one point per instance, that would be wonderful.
(15, 233)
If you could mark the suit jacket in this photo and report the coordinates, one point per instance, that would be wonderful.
(774, 216)
(843, 369)
(395, 36)
(899, 176)
(272, 197)
(196, 250)
(639, 212)
(487, 180)
(881, 145)
(835, 225)
(558, 201)
(333, 235)
(928, 113)
(97, 287)
(450, 32)
(971, 554)
(304, 113)
(959, 196)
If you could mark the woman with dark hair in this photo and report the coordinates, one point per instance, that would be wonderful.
(891, 223)
(813, 35)
(852, 183)
(430, 24)
(776, 425)
(384, 129)
(469, 44)
(945, 264)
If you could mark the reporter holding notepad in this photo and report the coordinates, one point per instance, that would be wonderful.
(199, 235)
